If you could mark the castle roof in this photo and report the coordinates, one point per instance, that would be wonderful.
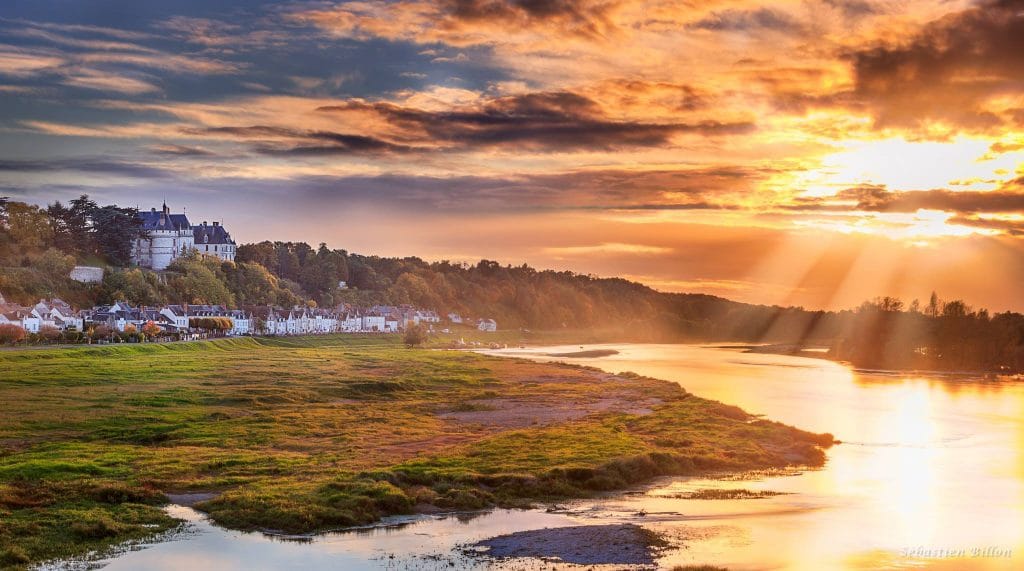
(207, 234)
(163, 220)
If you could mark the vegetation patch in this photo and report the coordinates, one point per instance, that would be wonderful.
(731, 494)
(301, 435)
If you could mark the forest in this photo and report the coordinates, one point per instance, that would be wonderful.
(40, 245)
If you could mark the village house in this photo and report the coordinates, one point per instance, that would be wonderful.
(487, 325)
(177, 319)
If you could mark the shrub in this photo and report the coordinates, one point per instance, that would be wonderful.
(415, 335)
(11, 334)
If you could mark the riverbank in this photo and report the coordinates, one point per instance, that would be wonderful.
(301, 435)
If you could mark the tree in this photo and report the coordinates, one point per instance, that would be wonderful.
(415, 335)
(934, 306)
(201, 281)
(115, 229)
(151, 329)
(11, 334)
(215, 324)
(54, 264)
(72, 225)
(28, 226)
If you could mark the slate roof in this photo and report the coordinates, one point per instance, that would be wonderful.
(160, 220)
(215, 232)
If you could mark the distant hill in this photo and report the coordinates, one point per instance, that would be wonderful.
(40, 246)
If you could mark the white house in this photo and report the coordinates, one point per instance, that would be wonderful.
(374, 322)
(241, 322)
(56, 313)
(487, 325)
(169, 237)
(454, 318)
(177, 315)
(14, 317)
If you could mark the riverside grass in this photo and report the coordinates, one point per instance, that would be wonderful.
(306, 434)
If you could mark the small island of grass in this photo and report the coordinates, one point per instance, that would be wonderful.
(299, 435)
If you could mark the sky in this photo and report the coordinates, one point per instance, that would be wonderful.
(797, 152)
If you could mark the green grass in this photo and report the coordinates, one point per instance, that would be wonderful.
(306, 434)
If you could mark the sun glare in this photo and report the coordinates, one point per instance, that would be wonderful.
(898, 164)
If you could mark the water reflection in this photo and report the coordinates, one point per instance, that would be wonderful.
(932, 468)
(929, 465)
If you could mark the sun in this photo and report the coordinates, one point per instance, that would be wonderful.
(898, 164)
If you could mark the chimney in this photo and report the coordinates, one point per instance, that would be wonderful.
(204, 222)
(216, 223)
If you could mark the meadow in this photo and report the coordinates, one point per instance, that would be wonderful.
(298, 435)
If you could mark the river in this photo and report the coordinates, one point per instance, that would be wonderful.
(930, 475)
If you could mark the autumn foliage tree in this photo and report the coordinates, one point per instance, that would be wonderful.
(415, 335)
(151, 329)
(11, 334)
(215, 324)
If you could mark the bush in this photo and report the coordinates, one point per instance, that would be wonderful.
(415, 335)
(11, 334)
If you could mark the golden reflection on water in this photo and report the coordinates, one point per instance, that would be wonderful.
(930, 474)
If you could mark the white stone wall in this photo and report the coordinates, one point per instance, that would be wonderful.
(225, 252)
(87, 274)
(162, 248)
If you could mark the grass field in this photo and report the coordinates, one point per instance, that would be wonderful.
(306, 434)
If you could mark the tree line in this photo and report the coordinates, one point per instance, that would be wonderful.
(38, 247)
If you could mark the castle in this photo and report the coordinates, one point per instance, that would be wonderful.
(170, 236)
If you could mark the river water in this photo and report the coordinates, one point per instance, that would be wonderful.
(930, 475)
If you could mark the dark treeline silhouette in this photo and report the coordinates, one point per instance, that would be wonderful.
(943, 335)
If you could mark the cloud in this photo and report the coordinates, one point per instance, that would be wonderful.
(952, 72)
(180, 151)
(1008, 199)
(16, 62)
(749, 21)
(987, 209)
(88, 78)
(461, 22)
(96, 165)
(605, 248)
(273, 140)
(545, 120)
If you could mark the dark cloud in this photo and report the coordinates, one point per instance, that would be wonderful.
(854, 9)
(273, 140)
(1009, 227)
(1009, 198)
(180, 151)
(948, 72)
(581, 17)
(551, 120)
(748, 20)
(87, 165)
